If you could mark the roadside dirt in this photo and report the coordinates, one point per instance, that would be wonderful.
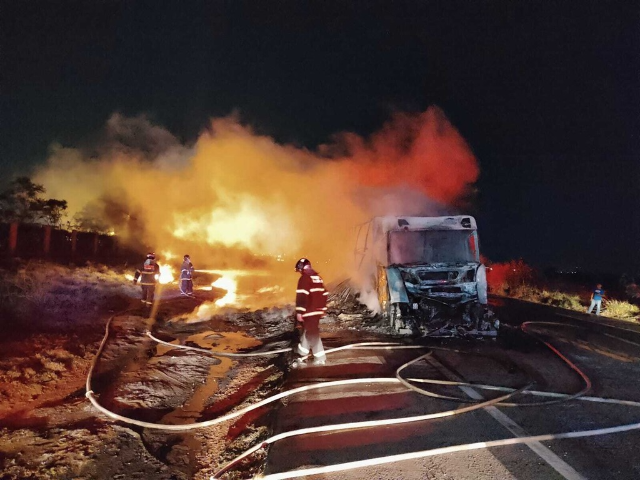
(49, 430)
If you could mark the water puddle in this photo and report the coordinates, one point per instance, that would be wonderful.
(191, 411)
(230, 342)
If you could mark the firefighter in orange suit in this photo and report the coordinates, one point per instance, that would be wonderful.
(311, 306)
(148, 276)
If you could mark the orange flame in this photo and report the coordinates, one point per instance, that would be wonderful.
(238, 200)
(166, 274)
(230, 285)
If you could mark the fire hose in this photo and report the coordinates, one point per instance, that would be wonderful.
(407, 382)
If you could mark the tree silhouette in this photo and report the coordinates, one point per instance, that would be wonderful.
(22, 202)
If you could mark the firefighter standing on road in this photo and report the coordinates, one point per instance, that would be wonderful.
(311, 306)
(186, 277)
(148, 275)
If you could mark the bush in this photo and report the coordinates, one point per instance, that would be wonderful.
(620, 309)
(547, 297)
(562, 300)
(633, 291)
(509, 276)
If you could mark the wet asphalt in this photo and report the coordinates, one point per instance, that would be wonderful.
(607, 351)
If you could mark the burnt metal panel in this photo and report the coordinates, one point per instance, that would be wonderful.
(397, 290)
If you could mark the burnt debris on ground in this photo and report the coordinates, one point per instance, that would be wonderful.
(435, 320)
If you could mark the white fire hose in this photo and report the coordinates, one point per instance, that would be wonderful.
(500, 401)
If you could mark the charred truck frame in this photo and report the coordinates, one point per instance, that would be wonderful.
(427, 274)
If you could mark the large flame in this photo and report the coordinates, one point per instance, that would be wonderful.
(166, 274)
(230, 285)
(235, 199)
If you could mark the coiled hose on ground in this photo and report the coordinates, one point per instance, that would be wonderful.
(407, 382)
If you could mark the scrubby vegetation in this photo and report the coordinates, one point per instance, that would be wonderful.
(48, 295)
(518, 280)
(621, 309)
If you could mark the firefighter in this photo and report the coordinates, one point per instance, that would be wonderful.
(148, 275)
(186, 277)
(311, 306)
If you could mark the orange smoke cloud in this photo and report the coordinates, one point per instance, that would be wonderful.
(420, 151)
(235, 197)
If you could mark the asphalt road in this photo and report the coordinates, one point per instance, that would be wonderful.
(608, 352)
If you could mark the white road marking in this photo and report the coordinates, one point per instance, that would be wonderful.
(353, 360)
(555, 462)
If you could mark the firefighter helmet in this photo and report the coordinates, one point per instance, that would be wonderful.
(187, 257)
(303, 262)
(151, 256)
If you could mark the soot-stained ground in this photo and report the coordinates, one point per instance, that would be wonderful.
(48, 429)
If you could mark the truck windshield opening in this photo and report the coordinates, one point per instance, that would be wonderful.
(432, 246)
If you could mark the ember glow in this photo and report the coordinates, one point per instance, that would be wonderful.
(238, 200)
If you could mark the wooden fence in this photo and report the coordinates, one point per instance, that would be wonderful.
(29, 241)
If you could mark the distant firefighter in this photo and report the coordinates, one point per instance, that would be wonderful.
(311, 306)
(148, 275)
(186, 277)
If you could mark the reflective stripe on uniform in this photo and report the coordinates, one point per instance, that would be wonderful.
(303, 291)
(317, 290)
(312, 314)
(301, 309)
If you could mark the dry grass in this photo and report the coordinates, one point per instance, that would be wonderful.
(612, 308)
(560, 299)
(621, 310)
(42, 293)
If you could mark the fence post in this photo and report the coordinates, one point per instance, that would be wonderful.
(46, 247)
(13, 238)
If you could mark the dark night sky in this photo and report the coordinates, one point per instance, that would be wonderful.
(547, 94)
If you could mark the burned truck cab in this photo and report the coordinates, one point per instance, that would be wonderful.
(427, 273)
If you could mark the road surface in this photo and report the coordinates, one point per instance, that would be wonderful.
(607, 351)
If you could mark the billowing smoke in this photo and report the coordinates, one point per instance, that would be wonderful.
(236, 199)
(422, 152)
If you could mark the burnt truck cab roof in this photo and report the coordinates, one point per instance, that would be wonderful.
(425, 240)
